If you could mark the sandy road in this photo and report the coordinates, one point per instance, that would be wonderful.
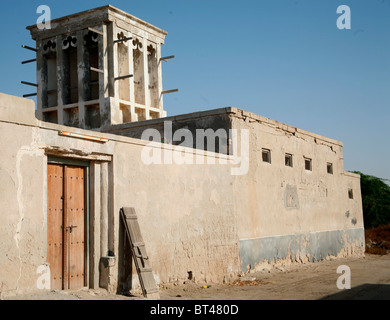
(370, 279)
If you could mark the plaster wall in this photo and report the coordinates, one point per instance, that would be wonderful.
(186, 212)
(275, 200)
(195, 219)
(290, 213)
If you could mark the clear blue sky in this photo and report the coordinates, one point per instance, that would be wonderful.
(282, 59)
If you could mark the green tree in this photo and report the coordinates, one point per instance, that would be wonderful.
(376, 200)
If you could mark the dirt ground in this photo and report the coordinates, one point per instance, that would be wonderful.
(370, 280)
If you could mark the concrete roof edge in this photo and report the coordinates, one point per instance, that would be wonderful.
(147, 24)
(70, 16)
(286, 127)
(105, 8)
(351, 174)
(115, 138)
(180, 117)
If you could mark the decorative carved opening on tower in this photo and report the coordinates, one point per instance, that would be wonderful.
(99, 68)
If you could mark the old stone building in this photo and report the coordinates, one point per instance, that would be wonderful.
(267, 192)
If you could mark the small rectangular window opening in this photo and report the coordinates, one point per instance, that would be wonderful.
(266, 155)
(329, 168)
(350, 193)
(308, 165)
(288, 160)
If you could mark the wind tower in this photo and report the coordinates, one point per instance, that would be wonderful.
(98, 68)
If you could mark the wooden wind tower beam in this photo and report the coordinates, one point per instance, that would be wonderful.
(25, 62)
(173, 90)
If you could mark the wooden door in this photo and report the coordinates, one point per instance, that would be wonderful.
(74, 230)
(66, 194)
(55, 218)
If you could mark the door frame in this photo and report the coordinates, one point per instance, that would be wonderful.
(86, 166)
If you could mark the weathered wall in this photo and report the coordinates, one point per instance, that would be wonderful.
(22, 225)
(289, 212)
(196, 218)
(186, 212)
(212, 119)
(284, 212)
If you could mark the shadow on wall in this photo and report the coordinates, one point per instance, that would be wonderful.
(365, 291)
(125, 266)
